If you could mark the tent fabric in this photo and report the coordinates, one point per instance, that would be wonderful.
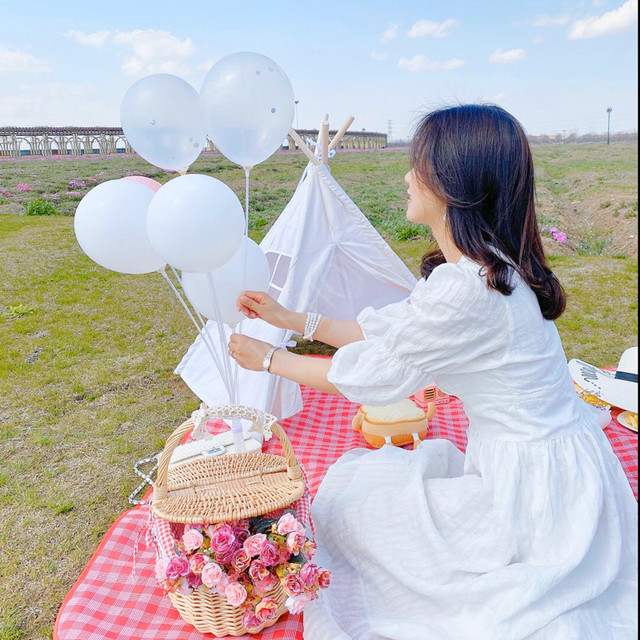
(325, 257)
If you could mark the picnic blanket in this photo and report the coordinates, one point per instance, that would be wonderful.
(108, 602)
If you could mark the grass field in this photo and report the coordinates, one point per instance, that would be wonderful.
(86, 382)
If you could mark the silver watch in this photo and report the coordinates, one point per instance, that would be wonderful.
(266, 363)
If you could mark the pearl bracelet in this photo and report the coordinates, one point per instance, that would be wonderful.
(311, 325)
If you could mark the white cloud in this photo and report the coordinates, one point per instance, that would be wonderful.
(424, 28)
(96, 39)
(512, 55)
(15, 60)
(550, 21)
(390, 33)
(499, 97)
(154, 51)
(623, 18)
(454, 63)
(379, 56)
(422, 63)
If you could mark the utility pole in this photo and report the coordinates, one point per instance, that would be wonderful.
(609, 110)
(389, 129)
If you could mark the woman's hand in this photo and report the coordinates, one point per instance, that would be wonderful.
(248, 352)
(258, 304)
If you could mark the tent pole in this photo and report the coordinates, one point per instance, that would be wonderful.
(303, 146)
(343, 129)
(325, 140)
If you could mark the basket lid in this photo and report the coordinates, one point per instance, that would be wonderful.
(225, 488)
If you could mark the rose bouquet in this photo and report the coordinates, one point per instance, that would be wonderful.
(243, 561)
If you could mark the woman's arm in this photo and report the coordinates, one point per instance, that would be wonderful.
(258, 304)
(311, 372)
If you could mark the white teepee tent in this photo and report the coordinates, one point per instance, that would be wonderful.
(325, 257)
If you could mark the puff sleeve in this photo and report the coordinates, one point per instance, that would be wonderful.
(452, 323)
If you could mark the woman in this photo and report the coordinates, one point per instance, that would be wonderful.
(532, 533)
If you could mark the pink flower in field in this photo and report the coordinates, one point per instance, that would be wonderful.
(6, 194)
(17, 171)
(296, 604)
(288, 523)
(192, 540)
(236, 594)
(79, 184)
(560, 236)
(269, 554)
(266, 609)
(292, 585)
(23, 187)
(94, 180)
(211, 575)
(253, 544)
(309, 574)
(72, 193)
(552, 230)
(295, 542)
(177, 567)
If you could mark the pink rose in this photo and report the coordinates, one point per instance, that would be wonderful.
(269, 554)
(197, 561)
(192, 540)
(183, 587)
(266, 609)
(309, 574)
(295, 542)
(178, 566)
(288, 523)
(264, 586)
(324, 579)
(292, 585)
(253, 544)
(240, 530)
(296, 604)
(250, 620)
(223, 542)
(211, 575)
(241, 560)
(194, 580)
(223, 583)
(309, 548)
(161, 569)
(258, 572)
(236, 594)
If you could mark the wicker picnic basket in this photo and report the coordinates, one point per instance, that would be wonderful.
(223, 489)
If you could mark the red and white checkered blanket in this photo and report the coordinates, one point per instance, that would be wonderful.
(108, 603)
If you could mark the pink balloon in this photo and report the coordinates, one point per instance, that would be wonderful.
(147, 182)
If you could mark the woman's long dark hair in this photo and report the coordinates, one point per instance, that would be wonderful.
(476, 158)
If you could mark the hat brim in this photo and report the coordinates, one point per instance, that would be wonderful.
(604, 385)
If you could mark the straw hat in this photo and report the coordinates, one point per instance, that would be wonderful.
(619, 388)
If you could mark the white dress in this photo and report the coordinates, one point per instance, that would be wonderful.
(531, 534)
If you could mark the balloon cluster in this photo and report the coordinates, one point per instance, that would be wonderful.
(194, 223)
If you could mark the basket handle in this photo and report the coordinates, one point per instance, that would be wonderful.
(258, 417)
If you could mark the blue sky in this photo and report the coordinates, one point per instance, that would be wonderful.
(556, 65)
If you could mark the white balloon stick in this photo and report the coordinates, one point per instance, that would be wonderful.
(202, 331)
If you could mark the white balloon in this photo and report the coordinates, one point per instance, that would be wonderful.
(161, 119)
(248, 269)
(111, 227)
(247, 106)
(195, 222)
